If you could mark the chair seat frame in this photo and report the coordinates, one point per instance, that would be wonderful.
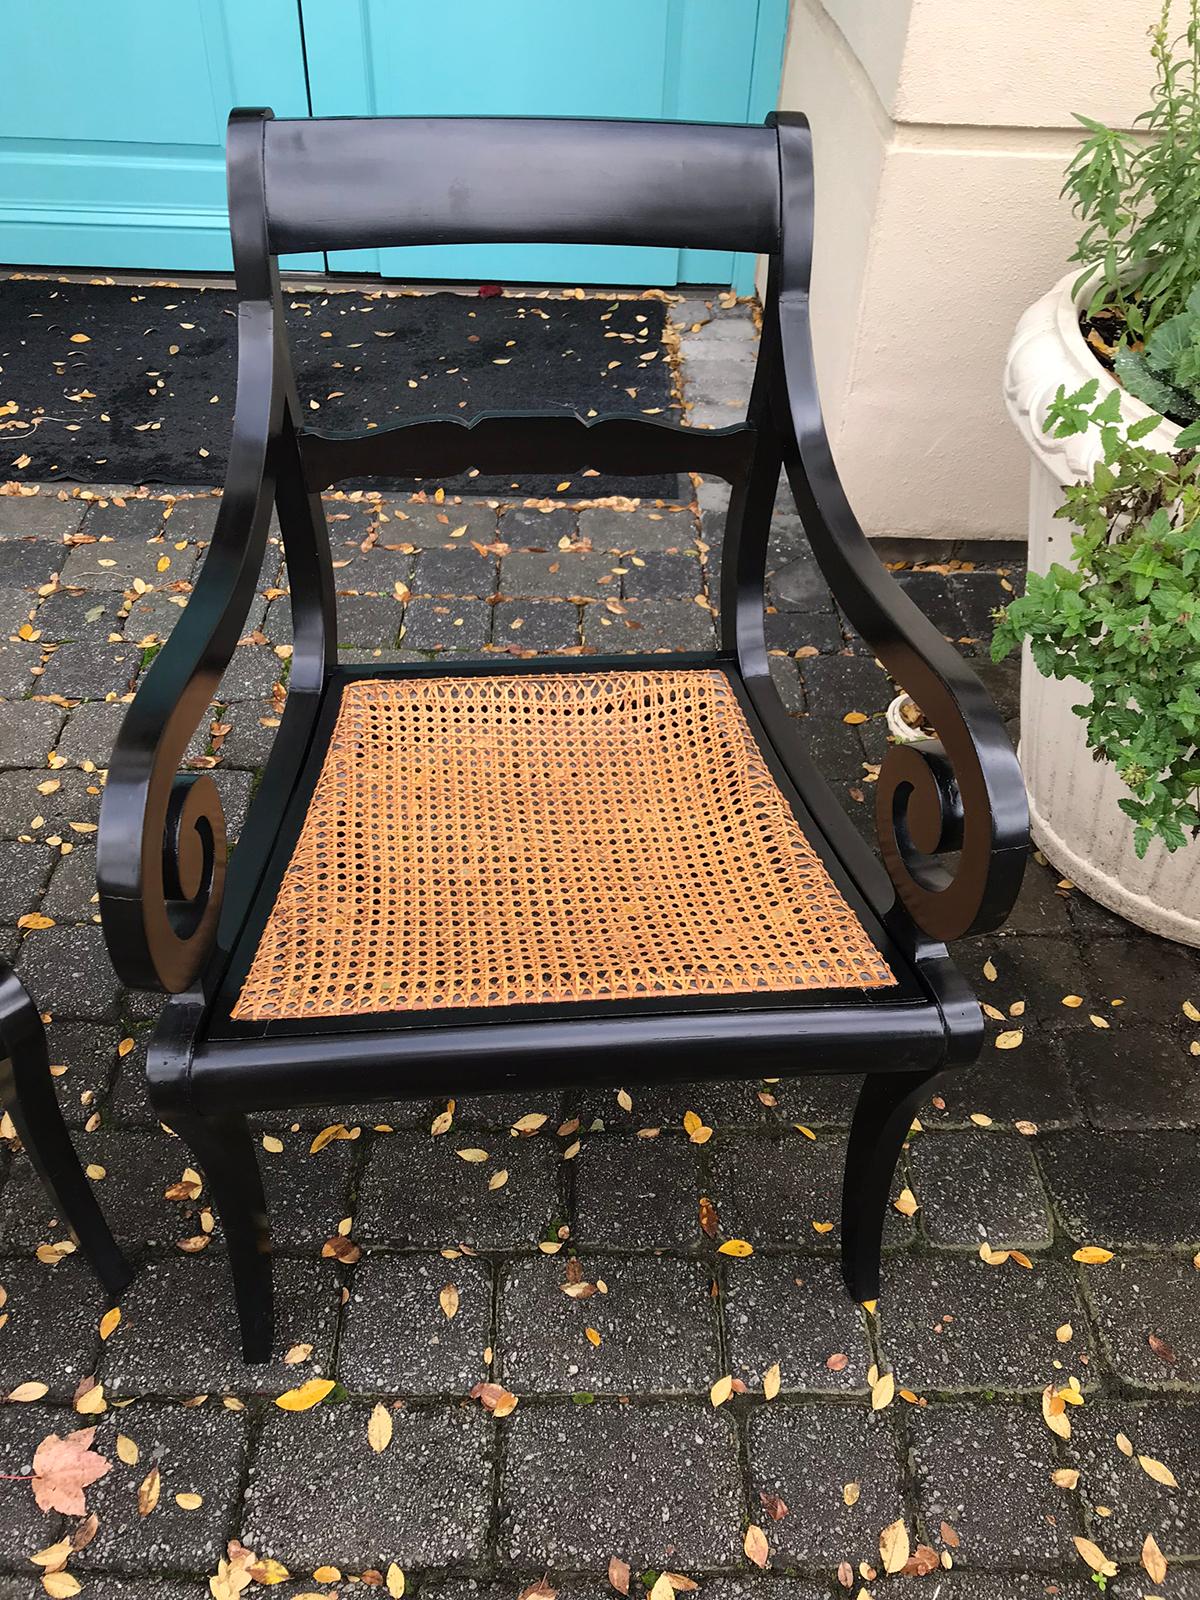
(951, 813)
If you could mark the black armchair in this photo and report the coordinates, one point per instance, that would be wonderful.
(754, 934)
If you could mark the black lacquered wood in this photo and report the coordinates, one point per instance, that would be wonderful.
(337, 184)
(344, 183)
(27, 1094)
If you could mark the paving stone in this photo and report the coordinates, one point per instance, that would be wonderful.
(648, 625)
(68, 972)
(276, 622)
(115, 566)
(522, 527)
(657, 1325)
(833, 747)
(179, 1332)
(457, 572)
(17, 662)
(806, 1455)
(794, 1310)
(17, 607)
(24, 872)
(1131, 1189)
(416, 1191)
(63, 617)
(50, 1334)
(197, 1451)
(26, 514)
(72, 895)
(954, 1323)
(235, 789)
(560, 575)
(1139, 1505)
(822, 1099)
(1134, 1299)
(786, 678)
(659, 1105)
(977, 595)
(91, 732)
(1009, 1517)
(29, 563)
(307, 1195)
(1039, 972)
(976, 1186)
(249, 744)
(1002, 680)
(1040, 907)
(637, 530)
(771, 1191)
(193, 517)
(309, 1468)
(374, 571)
(661, 575)
(643, 1189)
(396, 1340)
(838, 684)
(27, 733)
(251, 674)
(536, 624)
(993, 1586)
(1153, 989)
(136, 519)
(84, 671)
(799, 585)
(930, 593)
(27, 1529)
(1029, 1085)
(800, 633)
(369, 620)
(427, 525)
(152, 617)
(138, 1166)
(446, 624)
(658, 1483)
(1140, 1077)
(83, 1058)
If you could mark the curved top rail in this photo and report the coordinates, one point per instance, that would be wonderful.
(343, 183)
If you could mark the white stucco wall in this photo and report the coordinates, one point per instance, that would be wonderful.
(941, 130)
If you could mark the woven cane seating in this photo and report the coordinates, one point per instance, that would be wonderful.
(461, 875)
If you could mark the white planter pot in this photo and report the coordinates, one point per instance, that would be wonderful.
(1073, 799)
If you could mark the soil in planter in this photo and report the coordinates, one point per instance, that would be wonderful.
(1104, 334)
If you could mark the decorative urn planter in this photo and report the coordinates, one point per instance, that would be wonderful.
(1073, 799)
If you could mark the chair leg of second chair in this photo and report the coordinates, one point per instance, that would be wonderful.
(887, 1103)
(27, 1094)
(225, 1154)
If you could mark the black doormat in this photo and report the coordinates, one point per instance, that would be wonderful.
(127, 384)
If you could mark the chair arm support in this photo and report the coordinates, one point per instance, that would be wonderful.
(161, 843)
(962, 792)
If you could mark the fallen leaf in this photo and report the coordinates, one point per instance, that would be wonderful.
(25, 1392)
(148, 1492)
(61, 1585)
(495, 1398)
(851, 1493)
(109, 1321)
(1155, 1469)
(775, 1508)
(771, 1382)
(721, 1391)
(1153, 1559)
(189, 1501)
(63, 1468)
(735, 1247)
(530, 1123)
(883, 1392)
(906, 1203)
(379, 1429)
(1161, 1349)
(618, 1574)
(471, 1155)
(449, 1301)
(1065, 1477)
(1009, 1040)
(1092, 1255)
(307, 1396)
(395, 1582)
(755, 1545)
(894, 1546)
(1095, 1557)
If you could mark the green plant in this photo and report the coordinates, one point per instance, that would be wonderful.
(1125, 620)
(1139, 196)
(1165, 372)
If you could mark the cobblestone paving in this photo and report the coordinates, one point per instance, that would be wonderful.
(1083, 1136)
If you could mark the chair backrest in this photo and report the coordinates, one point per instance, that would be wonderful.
(347, 183)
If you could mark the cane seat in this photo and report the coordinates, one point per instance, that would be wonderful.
(483, 841)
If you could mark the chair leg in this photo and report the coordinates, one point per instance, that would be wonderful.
(886, 1105)
(27, 1094)
(225, 1154)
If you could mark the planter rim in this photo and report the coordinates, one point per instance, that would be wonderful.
(1047, 350)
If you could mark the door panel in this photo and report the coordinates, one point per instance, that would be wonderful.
(620, 58)
(112, 126)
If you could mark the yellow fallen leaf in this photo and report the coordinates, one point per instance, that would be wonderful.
(471, 1155)
(306, 1396)
(189, 1501)
(379, 1429)
(592, 1336)
(1074, 1001)
(771, 1382)
(1095, 1557)
(1092, 1255)
(851, 1493)
(1010, 1040)
(735, 1247)
(1153, 1559)
(61, 1585)
(854, 718)
(894, 1546)
(498, 1178)
(448, 1300)
(395, 1582)
(1191, 1012)
(127, 1451)
(989, 970)
(1065, 1333)
(906, 1203)
(1155, 1469)
(269, 1572)
(721, 1390)
(529, 1123)
(80, 338)
(148, 1492)
(755, 1545)
(624, 1100)
(1065, 1477)
(109, 1321)
(125, 1046)
(883, 1392)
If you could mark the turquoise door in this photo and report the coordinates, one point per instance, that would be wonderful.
(709, 60)
(112, 116)
(112, 126)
